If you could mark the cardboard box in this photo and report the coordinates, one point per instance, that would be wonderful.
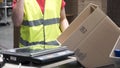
(116, 60)
(92, 36)
(83, 3)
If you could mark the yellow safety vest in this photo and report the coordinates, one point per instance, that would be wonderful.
(37, 28)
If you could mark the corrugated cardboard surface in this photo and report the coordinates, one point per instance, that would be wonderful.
(89, 18)
(83, 3)
(92, 36)
(96, 47)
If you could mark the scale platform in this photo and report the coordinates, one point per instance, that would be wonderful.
(39, 56)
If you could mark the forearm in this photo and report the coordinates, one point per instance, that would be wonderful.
(63, 21)
(64, 24)
(18, 12)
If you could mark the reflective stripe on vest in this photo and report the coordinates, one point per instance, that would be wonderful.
(26, 43)
(38, 28)
(40, 22)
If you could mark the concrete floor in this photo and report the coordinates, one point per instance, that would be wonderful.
(6, 35)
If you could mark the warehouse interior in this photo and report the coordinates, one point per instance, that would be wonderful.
(9, 34)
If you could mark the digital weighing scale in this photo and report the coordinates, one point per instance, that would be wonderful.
(41, 56)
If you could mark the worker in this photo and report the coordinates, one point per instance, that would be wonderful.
(40, 21)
